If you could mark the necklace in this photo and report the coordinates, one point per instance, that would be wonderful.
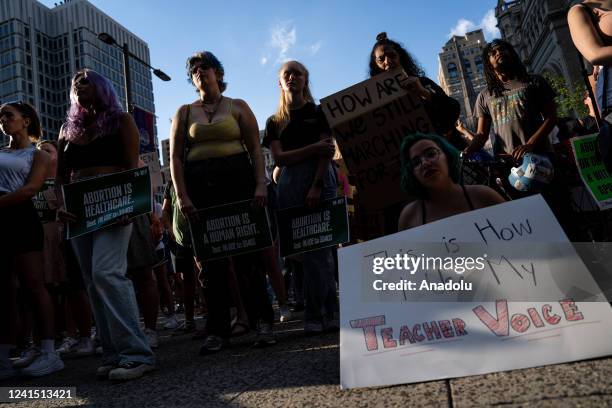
(211, 114)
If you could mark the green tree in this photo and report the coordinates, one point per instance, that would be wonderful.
(569, 99)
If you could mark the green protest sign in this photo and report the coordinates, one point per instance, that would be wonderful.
(592, 171)
(303, 229)
(100, 201)
(45, 202)
(229, 230)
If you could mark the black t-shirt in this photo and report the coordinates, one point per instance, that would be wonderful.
(304, 128)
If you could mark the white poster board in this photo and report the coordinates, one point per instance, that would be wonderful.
(400, 337)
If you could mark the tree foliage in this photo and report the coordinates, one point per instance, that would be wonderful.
(569, 100)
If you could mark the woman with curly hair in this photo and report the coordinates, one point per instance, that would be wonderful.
(99, 138)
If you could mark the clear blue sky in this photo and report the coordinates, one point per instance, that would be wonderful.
(251, 38)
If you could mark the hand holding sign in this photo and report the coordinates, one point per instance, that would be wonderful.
(413, 85)
(261, 195)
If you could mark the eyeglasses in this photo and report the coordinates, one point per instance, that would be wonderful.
(430, 154)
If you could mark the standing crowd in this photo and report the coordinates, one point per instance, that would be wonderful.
(137, 267)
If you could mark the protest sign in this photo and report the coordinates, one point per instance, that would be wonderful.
(45, 202)
(403, 340)
(151, 159)
(592, 170)
(369, 121)
(100, 201)
(302, 229)
(230, 229)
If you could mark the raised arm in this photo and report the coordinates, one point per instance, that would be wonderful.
(586, 38)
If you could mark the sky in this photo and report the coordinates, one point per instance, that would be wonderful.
(331, 38)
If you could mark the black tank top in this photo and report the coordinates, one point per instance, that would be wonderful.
(465, 194)
(102, 151)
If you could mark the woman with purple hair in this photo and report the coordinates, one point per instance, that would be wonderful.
(100, 138)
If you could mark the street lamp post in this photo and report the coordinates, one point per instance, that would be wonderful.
(108, 39)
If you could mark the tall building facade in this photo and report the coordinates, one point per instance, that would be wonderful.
(538, 30)
(41, 48)
(460, 71)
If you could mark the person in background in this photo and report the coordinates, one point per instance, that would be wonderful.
(23, 169)
(442, 110)
(100, 138)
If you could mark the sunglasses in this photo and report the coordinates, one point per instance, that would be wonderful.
(194, 69)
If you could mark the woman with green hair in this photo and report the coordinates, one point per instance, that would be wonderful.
(431, 173)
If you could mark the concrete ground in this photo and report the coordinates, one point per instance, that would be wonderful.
(305, 372)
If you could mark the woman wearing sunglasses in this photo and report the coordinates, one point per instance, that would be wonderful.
(216, 159)
(100, 138)
(430, 171)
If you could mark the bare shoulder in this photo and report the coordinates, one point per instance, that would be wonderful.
(42, 157)
(240, 106)
(409, 217)
(483, 196)
(125, 118)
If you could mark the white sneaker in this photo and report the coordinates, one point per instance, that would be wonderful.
(152, 338)
(68, 345)
(27, 357)
(46, 363)
(285, 313)
(172, 323)
(85, 347)
(129, 371)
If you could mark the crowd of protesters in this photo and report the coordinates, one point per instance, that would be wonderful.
(85, 296)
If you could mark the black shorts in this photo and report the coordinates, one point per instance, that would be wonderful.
(22, 229)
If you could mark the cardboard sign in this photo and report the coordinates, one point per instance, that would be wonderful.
(151, 159)
(592, 171)
(45, 202)
(369, 121)
(397, 339)
(229, 230)
(303, 229)
(100, 201)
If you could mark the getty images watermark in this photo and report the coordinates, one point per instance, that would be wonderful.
(412, 264)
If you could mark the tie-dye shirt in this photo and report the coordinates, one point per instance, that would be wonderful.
(517, 114)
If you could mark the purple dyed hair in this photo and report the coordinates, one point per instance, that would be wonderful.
(108, 108)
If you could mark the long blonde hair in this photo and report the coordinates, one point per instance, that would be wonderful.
(281, 117)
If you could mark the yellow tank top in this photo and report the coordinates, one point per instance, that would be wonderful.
(219, 139)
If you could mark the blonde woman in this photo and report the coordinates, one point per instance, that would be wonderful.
(300, 141)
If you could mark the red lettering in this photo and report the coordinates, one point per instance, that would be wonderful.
(554, 319)
(535, 317)
(369, 332)
(571, 310)
(459, 327)
(447, 329)
(431, 330)
(387, 337)
(499, 325)
(520, 322)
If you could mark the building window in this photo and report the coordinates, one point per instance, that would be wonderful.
(452, 70)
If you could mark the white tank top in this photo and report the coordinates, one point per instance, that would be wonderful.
(15, 166)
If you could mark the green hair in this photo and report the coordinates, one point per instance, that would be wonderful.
(409, 182)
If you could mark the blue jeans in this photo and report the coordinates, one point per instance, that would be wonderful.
(102, 256)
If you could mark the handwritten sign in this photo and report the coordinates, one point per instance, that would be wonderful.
(100, 201)
(524, 317)
(303, 229)
(592, 170)
(231, 229)
(369, 121)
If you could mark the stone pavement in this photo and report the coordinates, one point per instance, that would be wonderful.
(305, 372)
